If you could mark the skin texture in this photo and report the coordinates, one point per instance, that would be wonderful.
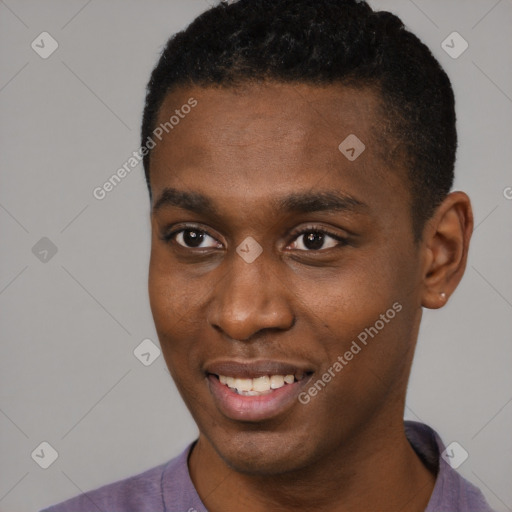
(243, 148)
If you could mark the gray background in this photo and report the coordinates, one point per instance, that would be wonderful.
(69, 325)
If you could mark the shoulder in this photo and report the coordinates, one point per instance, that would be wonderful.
(451, 491)
(142, 492)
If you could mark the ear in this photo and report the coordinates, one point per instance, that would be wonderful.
(445, 246)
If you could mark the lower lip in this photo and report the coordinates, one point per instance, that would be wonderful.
(254, 408)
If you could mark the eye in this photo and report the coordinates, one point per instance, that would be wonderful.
(316, 240)
(192, 238)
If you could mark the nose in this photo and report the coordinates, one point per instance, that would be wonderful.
(251, 298)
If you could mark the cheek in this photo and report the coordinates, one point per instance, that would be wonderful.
(174, 305)
(359, 314)
(175, 316)
(348, 297)
(170, 293)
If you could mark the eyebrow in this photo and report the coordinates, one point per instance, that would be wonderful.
(192, 201)
(302, 202)
(308, 202)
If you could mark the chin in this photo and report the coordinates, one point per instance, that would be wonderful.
(264, 453)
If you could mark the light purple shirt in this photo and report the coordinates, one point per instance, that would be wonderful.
(168, 487)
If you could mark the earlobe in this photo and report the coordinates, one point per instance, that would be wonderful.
(446, 245)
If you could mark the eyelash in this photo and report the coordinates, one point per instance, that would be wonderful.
(316, 229)
(342, 241)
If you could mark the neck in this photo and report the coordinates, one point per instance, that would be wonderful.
(376, 469)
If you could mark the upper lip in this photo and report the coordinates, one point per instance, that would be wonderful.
(254, 369)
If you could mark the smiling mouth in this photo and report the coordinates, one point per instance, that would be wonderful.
(262, 385)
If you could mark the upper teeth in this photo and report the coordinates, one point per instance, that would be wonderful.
(258, 384)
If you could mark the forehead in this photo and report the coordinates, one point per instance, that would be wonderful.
(273, 135)
(274, 114)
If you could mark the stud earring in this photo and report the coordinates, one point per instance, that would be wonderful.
(443, 295)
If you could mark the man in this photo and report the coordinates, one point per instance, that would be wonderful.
(299, 156)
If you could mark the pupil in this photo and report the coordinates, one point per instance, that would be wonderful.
(314, 240)
(193, 238)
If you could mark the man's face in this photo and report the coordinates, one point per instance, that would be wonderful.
(263, 162)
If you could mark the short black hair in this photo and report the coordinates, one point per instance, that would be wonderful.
(324, 42)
